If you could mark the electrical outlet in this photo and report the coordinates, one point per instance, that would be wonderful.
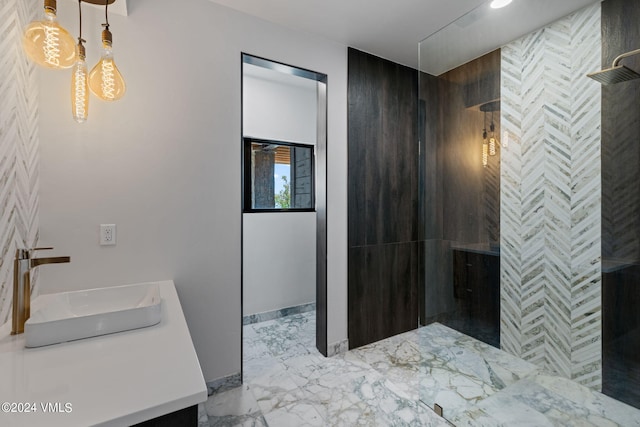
(107, 234)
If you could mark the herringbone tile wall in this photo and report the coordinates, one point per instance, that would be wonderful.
(551, 198)
(18, 143)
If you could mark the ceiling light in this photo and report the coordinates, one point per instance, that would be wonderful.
(497, 4)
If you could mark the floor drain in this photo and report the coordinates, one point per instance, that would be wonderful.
(438, 409)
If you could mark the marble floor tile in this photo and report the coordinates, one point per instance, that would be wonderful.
(255, 368)
(288, 336)
(459, 371)
(530, 403)
(396, 381)
(400, 360)
(375, 400)
(203, 418)
(236, 407)
(275, 388)
(249, 420)
(597, 404)
(237, 401)
(314, 371)
(297, 414)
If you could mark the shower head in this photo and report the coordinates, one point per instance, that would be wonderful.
(617, 73)
(614, 75)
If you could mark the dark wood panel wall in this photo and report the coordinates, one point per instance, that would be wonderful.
(471, 206)
(460, 199)
(384, 242)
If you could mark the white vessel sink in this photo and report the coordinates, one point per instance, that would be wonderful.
(69, 316)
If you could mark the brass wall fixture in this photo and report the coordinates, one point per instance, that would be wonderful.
(50, 45)
(22, 266)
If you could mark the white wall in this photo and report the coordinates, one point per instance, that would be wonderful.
(283, 109)
(279, 249)
(164, 163)
(279, 260)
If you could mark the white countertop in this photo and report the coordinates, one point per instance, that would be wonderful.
(110, 380)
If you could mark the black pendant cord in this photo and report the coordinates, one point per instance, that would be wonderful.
(484, 124)
(80, 39)
(106, 14)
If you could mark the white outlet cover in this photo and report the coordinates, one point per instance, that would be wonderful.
(107, 234)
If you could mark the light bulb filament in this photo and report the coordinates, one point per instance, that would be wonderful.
(485, 154)
(108, 83)
(51, 45)
(492, 146)
(80, 93)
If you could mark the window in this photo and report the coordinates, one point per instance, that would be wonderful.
(278, 176)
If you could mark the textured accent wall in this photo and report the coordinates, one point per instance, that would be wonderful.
(551, 197)
(18, 143)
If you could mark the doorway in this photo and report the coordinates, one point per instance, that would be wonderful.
(284, 194)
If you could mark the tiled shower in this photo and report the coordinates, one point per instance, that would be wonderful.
(536, 251)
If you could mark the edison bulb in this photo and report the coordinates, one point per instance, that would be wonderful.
(80, 87)
(105, 79)
(485, 153)
(492, 140)
(47, 43)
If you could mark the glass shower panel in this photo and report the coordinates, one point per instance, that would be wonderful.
(460, 146)
(538, 159)
(463, 230)
(621, 210)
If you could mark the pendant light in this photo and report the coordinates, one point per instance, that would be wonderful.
(485, 147)
(47, 43)
(492, 137)
(490, 142)
(105, 80)
(79, 79)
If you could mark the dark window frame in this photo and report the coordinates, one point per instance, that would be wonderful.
(246, 174)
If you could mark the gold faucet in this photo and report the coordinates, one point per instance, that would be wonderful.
(22, 266)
